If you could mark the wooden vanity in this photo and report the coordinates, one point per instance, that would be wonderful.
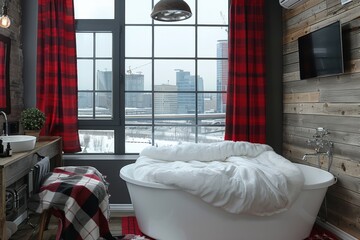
(19, 165)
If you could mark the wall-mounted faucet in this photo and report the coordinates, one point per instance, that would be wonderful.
(6, 130)
(320, 140)
(322, 146)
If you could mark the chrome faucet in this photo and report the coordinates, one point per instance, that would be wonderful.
(6, 130)
(322, 146)
(308, 154)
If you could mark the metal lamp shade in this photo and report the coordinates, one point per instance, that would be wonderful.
(171, 10)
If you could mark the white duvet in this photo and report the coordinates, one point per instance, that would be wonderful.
(239, 177)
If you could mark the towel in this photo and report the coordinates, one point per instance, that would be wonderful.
(40, 171)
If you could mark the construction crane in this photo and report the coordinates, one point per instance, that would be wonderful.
(130, 70)
(223, 19)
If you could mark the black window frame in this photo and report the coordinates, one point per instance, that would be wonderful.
(117, 27)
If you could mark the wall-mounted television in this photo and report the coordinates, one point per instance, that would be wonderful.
(321, 52)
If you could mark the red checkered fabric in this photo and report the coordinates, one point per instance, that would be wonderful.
(57, 71)
(79, 197)
(245, 112)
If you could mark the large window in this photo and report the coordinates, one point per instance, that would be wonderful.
(143, 82)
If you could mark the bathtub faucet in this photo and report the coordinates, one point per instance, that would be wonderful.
(322, 146)
(320, 140)
(328, 153)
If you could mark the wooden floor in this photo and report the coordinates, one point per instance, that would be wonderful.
(27, 232)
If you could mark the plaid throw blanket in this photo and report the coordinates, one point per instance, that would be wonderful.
(79, 196)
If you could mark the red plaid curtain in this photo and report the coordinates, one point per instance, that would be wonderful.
(245, 109)
(57, 71)
(2, 76)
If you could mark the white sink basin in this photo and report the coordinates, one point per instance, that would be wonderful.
(19, 143)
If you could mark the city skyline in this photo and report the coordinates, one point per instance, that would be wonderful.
(184, 80)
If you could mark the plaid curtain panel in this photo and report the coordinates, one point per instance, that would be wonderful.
(245, 111)
(57, 71)
(2, 76)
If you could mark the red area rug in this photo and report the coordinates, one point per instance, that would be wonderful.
(319, 233)
(129, 225)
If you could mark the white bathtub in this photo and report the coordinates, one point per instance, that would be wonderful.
(165, 213)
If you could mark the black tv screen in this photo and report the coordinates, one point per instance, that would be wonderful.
(321, 52)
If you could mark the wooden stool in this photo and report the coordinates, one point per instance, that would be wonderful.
(44, 222)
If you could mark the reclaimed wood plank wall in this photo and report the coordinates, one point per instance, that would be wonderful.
(331, 102)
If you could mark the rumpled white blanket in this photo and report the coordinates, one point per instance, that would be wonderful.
(240, 177)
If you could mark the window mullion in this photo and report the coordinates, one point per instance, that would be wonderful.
(94, 76)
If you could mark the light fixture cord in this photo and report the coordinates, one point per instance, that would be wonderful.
(4, 8)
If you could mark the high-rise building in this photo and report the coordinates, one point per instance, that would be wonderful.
(165, 101)
(134, 82)
(222, 74)
(186, 96)
(210, 102)
(102, 95)
(104, 80)
(103, 99)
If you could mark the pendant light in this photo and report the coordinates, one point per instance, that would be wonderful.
(171, 11)
(4, 19)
